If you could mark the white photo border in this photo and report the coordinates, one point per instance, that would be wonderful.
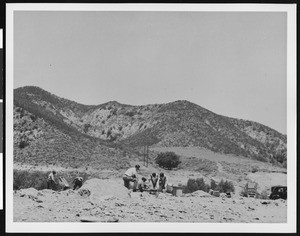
(288, 227)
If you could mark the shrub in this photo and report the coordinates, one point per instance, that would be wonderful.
(38, 179)
(23, 144)
(86, 127)
(213, 184)
(168, 160)
(225, 186)
(254, 169)
(108, 133)
(130, 113)
(25, 179)
(33, 117)
(264, 195)
(114, 112)
(196, 184)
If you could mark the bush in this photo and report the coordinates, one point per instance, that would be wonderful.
(213, 184)
(225, 186)
(168, 160)
(23, 144)
(196, 184)
(38, 179)
(264, 195)
(86, 127)
(130, 113)
(25, 179)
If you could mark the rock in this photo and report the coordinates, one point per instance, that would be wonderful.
(200, 193)
(84, 192)
(265, 202)
(113, 219)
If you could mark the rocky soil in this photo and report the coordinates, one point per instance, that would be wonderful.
(109, 201)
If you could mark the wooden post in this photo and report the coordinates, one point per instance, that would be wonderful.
(144, 155)
(147, 155)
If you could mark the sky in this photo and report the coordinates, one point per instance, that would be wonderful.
(231, 63)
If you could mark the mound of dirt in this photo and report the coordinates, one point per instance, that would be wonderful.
(103, 187)
(198, 193)
(28, 192)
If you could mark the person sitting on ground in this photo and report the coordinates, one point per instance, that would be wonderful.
(142, 184)
(162, 182)
(51, 183)
(154, 180)
(77, 182)
(131, 176)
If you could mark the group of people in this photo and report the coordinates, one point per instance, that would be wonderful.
(155, 182)
(53, 184)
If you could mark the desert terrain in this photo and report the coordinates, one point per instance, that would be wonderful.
(105, 199)
(102, 141)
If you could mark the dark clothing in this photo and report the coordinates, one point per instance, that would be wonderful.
(77, 183)
(51, 184)
(127, 180)
(162, 183)
(154, 181)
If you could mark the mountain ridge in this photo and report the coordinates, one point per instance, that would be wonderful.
(179, 123)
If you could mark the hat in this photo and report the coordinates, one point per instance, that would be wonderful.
(137, 167)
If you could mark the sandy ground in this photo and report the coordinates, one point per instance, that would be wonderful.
(109, 201)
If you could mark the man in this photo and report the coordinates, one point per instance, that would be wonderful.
(51, 183)
(131, 176)
(77, 182)
(154, 180)
(142, 185)
(162, 182)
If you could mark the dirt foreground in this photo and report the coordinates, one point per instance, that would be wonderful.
(109, 201)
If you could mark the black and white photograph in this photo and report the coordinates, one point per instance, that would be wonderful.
(1, 71)
(133, 117)
(1, 120)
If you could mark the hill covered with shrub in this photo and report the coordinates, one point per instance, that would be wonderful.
(109, 125)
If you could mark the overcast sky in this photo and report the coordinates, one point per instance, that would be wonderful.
(232, 63)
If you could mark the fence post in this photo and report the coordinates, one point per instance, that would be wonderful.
(147, 155)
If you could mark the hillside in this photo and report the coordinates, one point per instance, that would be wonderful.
(179, 123)
(39, 142)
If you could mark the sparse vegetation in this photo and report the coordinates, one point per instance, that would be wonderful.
(168, 160)
(199, 184)
(196, 184)
(225, 186)
(38, 179)
(23, 144)
(130, 113)
(86, 127)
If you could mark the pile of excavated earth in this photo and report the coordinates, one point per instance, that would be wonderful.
(107, 200)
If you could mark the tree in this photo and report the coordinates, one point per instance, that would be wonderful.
(168, 160)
